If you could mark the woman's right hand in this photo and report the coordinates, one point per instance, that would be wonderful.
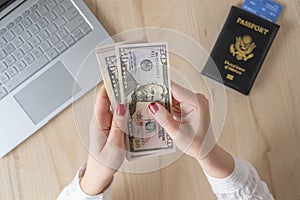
(190, 128)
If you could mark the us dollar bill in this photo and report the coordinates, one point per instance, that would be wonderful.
(107, 61)
(144, 76)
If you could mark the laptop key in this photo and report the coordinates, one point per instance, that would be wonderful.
(53, 39)
(2, 42)
(2, 31)
(37, 52)
(12, 72)
(71, 13)
(52, 28)
(17, 29)
(9, 48)
(34, 16)
(66, 4)
(35, 41)
(61, 47)
(4, 78)
(58, 10)
(41, 2)
(34, 7)
(17, 42)
(25, 35)
(77, 34)
(60, 22)
(69, 40)
(62, 33)
(50, 4)
(26, 47)
(45, 46)
(25, 13)
(42, 22)
(26, 73)
(20, 65)
(19, 54)
(3, 92)
(52, 53)
(34, 29)
(18, 19)
(2, 54)
(50, 16)
(43, 10)
(85, 28)
(9, 35)
(28, 59)
(10, 25)
(26, 23)
(3, 67)
(74, 23)
(10, 60)
(44, 34)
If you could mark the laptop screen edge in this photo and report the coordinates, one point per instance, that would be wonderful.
(6, 6)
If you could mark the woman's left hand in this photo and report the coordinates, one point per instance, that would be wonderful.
(107, 146)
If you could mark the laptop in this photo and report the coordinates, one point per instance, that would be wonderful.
(43, 44)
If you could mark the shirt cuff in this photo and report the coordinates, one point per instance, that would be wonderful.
(233, 182)
(74, 189)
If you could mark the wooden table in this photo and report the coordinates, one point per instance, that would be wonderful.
(262, 128)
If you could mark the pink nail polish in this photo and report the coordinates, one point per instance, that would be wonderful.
(121, 110)
(153, 107)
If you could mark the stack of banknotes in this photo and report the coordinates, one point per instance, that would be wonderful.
(137, 73)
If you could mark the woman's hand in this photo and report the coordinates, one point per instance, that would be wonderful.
(107, 147)
(190, 128)
(189, 125)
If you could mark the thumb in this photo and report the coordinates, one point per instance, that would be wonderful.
(112, 154)
(118, 126)
(164, 118)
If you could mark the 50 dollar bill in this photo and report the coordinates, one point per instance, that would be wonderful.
(137, 74)
(145, 77)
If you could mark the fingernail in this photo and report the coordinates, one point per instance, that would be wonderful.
(153, 107)
(121, 110)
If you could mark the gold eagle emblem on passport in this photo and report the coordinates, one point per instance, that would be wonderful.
(243, 48)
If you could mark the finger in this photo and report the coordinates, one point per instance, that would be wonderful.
(183, 95)
(102, 109)
(181, 135)
(176, 109)
(98, 137)
(118, 126)
(102, 104)
(203, 103)
(113, 152)
(164, 118)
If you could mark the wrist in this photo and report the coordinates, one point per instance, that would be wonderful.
(218, 163)
(96, 178)
(92, 184)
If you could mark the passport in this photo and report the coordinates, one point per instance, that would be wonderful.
(240, 50)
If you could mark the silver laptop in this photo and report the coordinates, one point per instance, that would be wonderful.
(42, 46)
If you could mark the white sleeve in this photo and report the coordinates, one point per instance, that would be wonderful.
(244, 183)
(74, 192)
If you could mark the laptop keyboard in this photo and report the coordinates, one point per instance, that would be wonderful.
(35, 38)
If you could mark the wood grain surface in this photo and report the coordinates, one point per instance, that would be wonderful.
(262, 128)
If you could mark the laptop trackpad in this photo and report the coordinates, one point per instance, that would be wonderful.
(46, 93)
